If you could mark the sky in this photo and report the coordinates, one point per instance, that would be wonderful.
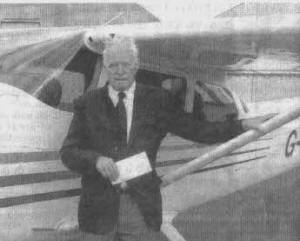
(172, 10)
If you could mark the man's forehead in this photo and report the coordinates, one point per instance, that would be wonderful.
(120, 55)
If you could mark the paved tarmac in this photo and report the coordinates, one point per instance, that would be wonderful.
(269, 211)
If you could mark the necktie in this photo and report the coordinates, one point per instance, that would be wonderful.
(122, 119)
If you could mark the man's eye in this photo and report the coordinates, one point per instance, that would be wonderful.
(124, 65)
(111, 66)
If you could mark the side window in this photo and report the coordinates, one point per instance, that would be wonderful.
(213, 103)
(176, 85)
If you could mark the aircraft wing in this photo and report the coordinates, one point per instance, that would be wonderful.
(229, 40)
(233, 36)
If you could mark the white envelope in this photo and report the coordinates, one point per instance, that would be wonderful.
(133, 167)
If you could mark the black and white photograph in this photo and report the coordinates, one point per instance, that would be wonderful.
(149, 120)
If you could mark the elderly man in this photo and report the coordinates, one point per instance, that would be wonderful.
(117, 121)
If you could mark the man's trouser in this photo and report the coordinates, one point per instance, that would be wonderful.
(131, 225)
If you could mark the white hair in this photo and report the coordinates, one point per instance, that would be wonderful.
(117, 44)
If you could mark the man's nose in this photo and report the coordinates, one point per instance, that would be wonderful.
(120, 69)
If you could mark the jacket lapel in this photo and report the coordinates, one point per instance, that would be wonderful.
(138, 107)
(106, 111)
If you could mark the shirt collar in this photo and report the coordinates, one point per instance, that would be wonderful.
(113, 94)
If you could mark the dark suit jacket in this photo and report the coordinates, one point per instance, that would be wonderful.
(94, 132)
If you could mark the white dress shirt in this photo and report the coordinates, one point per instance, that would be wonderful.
(128, 102)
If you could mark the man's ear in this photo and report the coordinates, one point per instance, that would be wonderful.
(136, 66)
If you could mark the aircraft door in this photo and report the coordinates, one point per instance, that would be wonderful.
(213, 103)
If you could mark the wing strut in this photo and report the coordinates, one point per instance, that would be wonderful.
(230, 146)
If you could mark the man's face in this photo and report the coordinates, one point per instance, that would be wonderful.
(121, 68)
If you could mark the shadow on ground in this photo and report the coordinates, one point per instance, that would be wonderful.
(269, 211)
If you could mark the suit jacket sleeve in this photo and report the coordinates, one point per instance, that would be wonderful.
(182, 124)
(75, 153)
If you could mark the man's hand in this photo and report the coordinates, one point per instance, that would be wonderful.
(107, 168)
(254, 123)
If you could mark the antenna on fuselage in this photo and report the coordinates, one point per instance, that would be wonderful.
(113, 19)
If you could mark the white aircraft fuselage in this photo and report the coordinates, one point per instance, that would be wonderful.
(38, 195)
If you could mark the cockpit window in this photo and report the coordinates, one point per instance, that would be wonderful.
(55, 72)
(51, 93)
(213, 103)
(176, 85)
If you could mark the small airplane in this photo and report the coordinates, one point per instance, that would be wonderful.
(227, 67)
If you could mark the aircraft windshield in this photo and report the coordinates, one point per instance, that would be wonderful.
(55, 72)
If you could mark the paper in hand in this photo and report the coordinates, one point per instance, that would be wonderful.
(133, 167)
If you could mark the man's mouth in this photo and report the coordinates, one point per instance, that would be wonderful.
(121, 79)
